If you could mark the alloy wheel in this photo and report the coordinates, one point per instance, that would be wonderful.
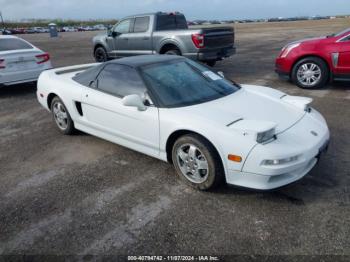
(309, 74)
(60, 115)
(192, 163)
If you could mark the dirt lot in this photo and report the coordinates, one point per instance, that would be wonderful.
(83, 195)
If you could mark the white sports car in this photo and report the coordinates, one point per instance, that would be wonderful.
(211, 129)
(20, 61)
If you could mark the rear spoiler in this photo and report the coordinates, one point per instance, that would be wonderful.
(71, 69)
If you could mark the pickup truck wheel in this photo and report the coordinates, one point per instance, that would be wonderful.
(310, 73)
(100, 55)
(61, 117)
(211, 63)
(173, 52)
(197, 162)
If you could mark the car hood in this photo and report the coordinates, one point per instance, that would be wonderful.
(309, 40)
(259, 105)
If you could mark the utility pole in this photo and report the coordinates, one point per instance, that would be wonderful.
(2, 21)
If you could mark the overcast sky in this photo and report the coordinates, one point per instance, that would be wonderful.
(193, 9)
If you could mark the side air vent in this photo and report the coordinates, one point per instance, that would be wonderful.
(79, 109)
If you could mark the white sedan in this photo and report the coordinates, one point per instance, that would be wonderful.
(211, 129)
(20, 61)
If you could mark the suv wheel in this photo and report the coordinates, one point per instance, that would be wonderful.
(310, 73)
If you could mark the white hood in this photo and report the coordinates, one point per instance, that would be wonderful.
(254, 103)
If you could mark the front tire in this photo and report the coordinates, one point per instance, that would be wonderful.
(197, 163)
(61, 117)
(310, 73)
(100, 55)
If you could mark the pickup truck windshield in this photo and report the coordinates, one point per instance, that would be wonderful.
(184, 83)
(171, 22)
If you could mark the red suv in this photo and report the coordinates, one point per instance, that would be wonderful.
(311, 63)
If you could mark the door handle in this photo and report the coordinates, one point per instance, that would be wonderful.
(145, 38)
(126, 38)
(86, 95)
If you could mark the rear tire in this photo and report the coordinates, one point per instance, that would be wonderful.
(100, 55)
(211, 63)
(62, 117)
(173, 52)
(197, 163)
(310, 73)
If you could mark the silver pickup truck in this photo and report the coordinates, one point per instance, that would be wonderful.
(164, 33)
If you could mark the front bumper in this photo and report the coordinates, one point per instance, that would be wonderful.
(268, 182)
(299, 140)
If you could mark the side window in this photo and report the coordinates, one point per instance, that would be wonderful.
(346, 39)
(141, 24)
(120, 80)
(123, 27)
(165, 22)
(8, 44)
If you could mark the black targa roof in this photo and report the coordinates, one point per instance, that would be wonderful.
(90, 74)
(142, 60)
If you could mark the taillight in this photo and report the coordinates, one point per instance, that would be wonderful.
(198, 40)
(42, 58)
(2, 63)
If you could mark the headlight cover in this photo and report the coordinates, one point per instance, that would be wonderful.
(286, 50)
(265, 136)
(275, 162)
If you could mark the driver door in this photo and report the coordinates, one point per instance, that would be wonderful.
(120, 35)
(105, 114)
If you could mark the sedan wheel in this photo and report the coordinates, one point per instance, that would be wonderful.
(192, 163)
(197, 162)
(61, 116)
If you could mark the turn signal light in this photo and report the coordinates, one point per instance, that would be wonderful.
(235, 158)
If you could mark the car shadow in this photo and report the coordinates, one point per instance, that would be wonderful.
(17, 90)
(283, 194)
(339, 85)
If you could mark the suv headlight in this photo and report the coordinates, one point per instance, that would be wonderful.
(286, 50)
(265, 135)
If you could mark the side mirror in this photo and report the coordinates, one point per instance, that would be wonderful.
(115, 34)
(134, 101)
(220, 73)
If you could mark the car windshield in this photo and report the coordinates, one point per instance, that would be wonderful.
(340, 33)
(183, 82)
